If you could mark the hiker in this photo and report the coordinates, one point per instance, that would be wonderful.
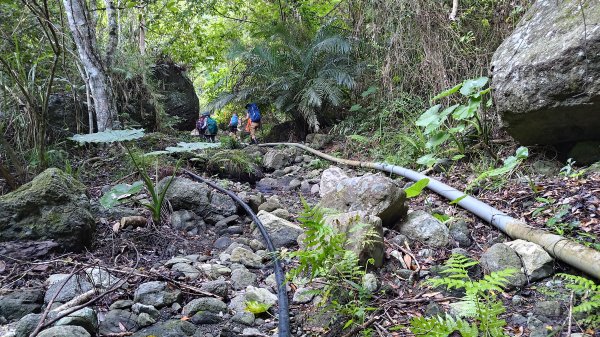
(233, 125)
(211, 128)
(201, 124)
(254, 121)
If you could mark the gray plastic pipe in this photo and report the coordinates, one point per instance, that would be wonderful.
(574, 254)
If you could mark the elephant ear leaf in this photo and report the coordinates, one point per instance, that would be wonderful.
(109, 136)
(119, 192)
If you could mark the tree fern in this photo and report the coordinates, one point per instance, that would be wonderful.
(589, 292)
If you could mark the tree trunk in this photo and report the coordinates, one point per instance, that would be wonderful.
(85, 39)
(142, 35)
(113, 37)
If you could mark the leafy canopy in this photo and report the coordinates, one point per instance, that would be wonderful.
(299, 73)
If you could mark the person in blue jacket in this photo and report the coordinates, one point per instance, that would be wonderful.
(233, 125)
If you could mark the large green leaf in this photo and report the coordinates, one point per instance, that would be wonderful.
(467, 111)
(109, 136)
(447, 92)
(427, 160)
(472, 86)
(119, 192)
(430, 119)
(416, 188)
(437, 139)
(185, 147)
(369, 91)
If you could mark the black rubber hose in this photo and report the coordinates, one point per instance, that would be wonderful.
(283, 309)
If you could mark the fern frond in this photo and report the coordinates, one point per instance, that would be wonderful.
(442, 326)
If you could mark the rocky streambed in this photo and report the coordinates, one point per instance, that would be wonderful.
(197, 274)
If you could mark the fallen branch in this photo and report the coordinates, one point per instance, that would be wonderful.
(40, 324)
(81, 306)
(75, 301)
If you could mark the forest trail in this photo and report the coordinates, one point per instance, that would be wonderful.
(198, 275)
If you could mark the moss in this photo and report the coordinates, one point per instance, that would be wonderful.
(52, 206)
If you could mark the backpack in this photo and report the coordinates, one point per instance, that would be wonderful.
(211, 125)
(254, 113)
(234, 121)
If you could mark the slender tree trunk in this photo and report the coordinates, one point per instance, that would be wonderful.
(85, 39)
(113, 37)
(142, 41)
(88, 98)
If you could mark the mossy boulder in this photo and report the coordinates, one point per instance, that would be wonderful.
(53, 206)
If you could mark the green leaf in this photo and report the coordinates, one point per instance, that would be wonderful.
(429, 116)
(355, 107)
(109, 136)
(416, 188)
(369, 91)
(431, 120)
(121, 191)
(473, 85)
(449, 110)
(427, 160)
(467, 111)
(458, 157)
(522, 152)
(256, 307)
(457, 200)
(437, 139)
(441, 217)
(447, 92)
(185, 147)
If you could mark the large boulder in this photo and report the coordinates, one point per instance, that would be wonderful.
(67, 287)
(283, 233)
(500, 257)
(546, 75)
(422, 226)
(115, 320)
(318, 140)
(170, 328)
(537, 263)
(53, 206)
(374, 194)
(363, 232)
(185, 194)
(65, 331)
(17, 304)
(179, 98)
(85, 318)
(156, 293)
(276, 159)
